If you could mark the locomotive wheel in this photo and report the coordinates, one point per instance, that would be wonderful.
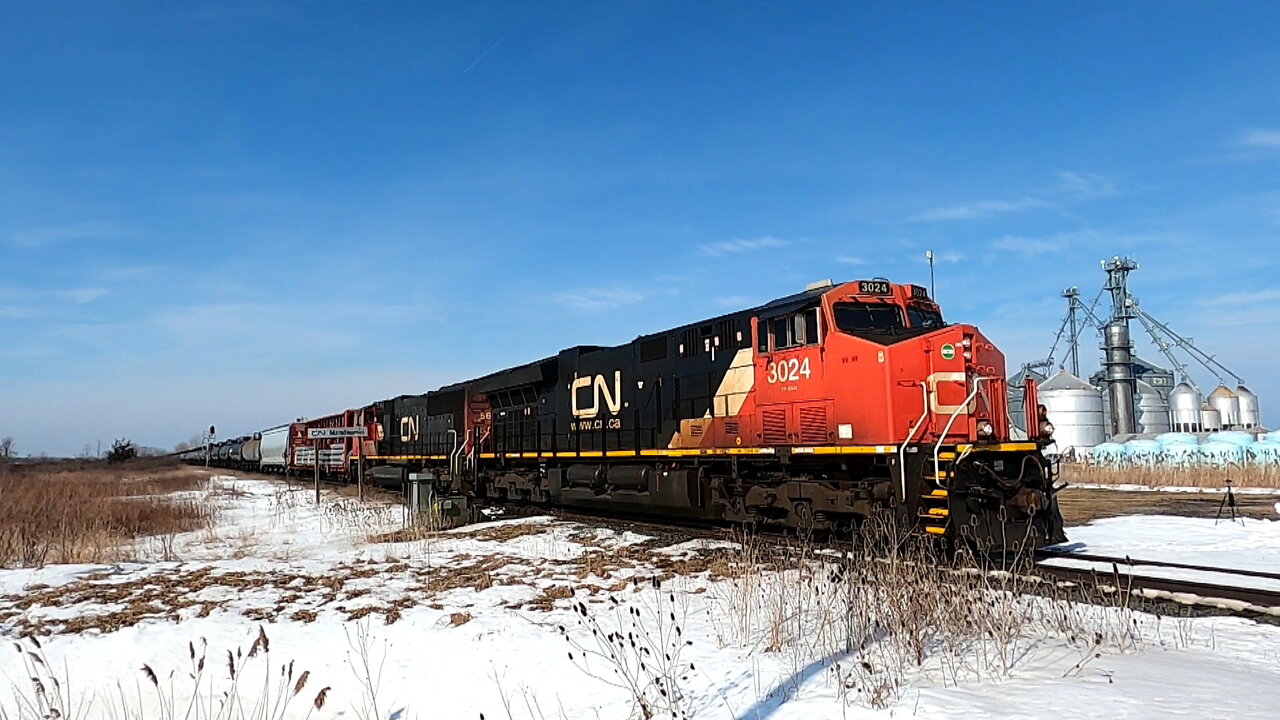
(802, 515)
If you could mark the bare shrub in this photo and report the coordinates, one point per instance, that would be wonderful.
(638, 646)
(888, 611)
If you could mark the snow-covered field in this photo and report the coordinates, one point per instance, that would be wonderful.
(545, 619)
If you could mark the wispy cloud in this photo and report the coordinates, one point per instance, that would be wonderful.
(740, 245)
(1029, 247)
(946, 257)
(1260, 138)
(1071, 187)
(980, 209)
(597, 299)
(83, 295)
(88, 230)
(1084, 186)
(1245, 298)
(850, 260)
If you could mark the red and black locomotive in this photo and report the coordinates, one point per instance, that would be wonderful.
(816, 411)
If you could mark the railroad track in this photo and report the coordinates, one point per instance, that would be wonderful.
(1106, 576)
(1198, 585)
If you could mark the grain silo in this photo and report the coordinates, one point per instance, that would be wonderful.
(1250, 416)
(1227, 403)
(1152, 410)
(1074, 407)
(1184, 405)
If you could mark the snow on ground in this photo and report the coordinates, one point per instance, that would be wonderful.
(509, 618)
(1245, 544)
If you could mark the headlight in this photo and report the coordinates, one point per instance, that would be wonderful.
(1046, 428)
(986, 429)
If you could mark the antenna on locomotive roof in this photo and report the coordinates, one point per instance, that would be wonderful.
(928, 255)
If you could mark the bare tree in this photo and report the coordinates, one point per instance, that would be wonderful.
(122, 450)
(6, 448)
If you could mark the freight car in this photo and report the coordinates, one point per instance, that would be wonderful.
(336, 457)
(813, 411)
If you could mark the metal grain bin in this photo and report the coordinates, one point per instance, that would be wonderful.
(1210, 418)
(1227, 403)
(1017, 415)
(1152, 410)
(1184, 408)
(1075, 409)
(1250, 416)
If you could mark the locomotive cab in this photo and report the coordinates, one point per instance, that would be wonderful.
(936, 394)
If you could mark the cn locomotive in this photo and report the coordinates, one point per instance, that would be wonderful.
(815, 411)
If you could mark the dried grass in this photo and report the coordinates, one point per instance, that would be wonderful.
(1248, 476)
(87, 511)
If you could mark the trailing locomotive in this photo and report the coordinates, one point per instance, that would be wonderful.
(813, 411)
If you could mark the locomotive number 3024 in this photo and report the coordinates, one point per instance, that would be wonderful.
(788, 370)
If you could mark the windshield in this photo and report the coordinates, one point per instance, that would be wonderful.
(922, 317)
(852, 317)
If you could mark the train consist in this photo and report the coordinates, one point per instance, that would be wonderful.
(814, 411)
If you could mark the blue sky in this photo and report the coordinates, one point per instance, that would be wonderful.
(238, 213)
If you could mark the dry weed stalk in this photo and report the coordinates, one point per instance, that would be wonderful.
(366, 661)
(888, 611)
(639, 648)
(191, 695)
(1214, 478)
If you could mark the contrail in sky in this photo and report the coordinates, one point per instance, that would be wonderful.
(492, 47)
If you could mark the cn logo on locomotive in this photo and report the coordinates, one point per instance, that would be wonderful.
(409, 426)
(599, 390)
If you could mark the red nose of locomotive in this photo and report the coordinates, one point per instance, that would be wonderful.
(965, 377)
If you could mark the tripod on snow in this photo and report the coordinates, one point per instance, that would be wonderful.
(1228, 501)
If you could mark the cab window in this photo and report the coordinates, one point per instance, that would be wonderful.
(923, 317)
(856, 316)
(789, 331)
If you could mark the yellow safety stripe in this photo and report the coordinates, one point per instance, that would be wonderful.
(934, 530)
(704, 452)
(999, 447)
(845, 450)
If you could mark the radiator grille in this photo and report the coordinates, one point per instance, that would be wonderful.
(775, 426)
(813, 425)
(731, 427)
